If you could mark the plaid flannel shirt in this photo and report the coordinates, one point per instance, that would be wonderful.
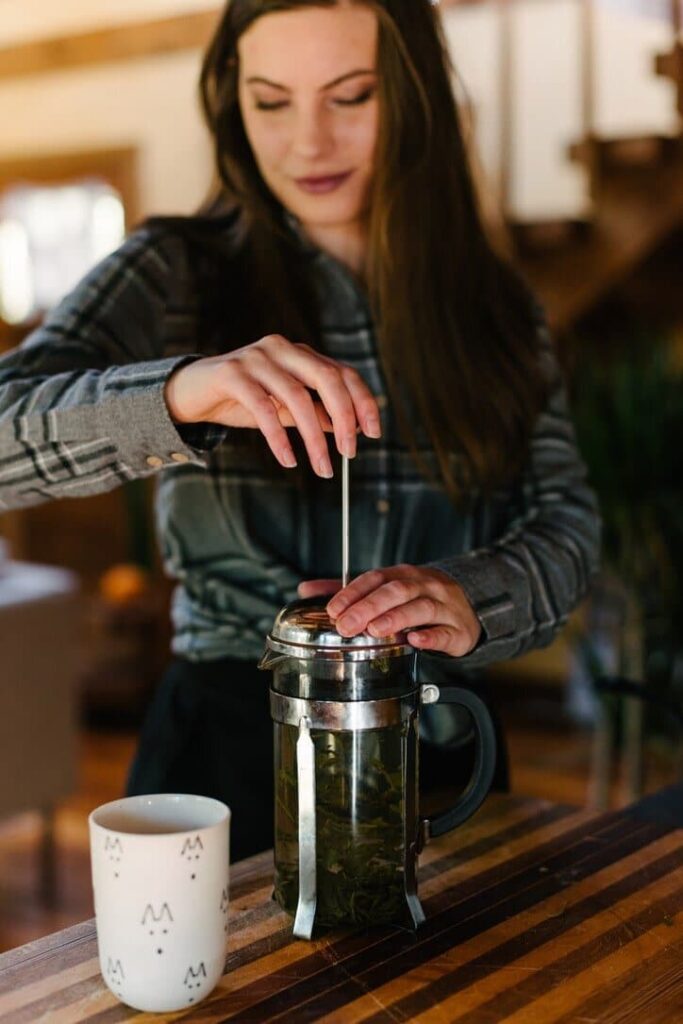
(82, 410)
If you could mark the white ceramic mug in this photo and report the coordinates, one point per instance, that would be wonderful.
(160, 870)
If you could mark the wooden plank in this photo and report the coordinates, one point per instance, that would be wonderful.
(651, 991)
(487, 965)
(123, 42)
(117, 43)
(529, 906)
(358, 964)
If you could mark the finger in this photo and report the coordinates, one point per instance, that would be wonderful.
(260, 407)
(324, 375)
(287, 420)
(291, 392)
(423, 611)
(353, 591)
(365, 584)
(446, 639)
(316, 588)
(383, 599)
(365, 403)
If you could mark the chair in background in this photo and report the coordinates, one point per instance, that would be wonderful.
(40, 623)
(632, 694)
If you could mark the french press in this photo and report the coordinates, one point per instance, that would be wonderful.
(347, 825)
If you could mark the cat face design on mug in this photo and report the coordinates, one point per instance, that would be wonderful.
(192, 850)
(194, 978)
(115, 974)
(157, 922)
(114, 850)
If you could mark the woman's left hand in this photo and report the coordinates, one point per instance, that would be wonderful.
(425, 603)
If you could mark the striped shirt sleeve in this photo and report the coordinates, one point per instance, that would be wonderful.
(82, 404)
(524, 585)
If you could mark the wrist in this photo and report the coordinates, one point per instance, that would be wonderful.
(171, 391)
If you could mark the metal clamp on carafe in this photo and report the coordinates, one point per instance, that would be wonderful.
(347, 825)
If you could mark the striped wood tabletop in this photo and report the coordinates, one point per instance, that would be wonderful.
(535, 913)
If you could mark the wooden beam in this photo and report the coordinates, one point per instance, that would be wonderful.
(117, 43)
(130, 41)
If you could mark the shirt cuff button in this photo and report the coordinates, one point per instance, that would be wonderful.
(154, 461)
(382, 506)
(179, 457)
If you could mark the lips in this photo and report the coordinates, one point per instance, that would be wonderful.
(323, 184)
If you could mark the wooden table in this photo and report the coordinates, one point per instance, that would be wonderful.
(535, 913)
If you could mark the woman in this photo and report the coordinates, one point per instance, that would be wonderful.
(341, 283)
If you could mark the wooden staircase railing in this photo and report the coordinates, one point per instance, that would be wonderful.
(571, 268)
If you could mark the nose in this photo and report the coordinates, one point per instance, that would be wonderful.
(312, 134)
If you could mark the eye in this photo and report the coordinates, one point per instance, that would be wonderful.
(261, 105)
(357, 100)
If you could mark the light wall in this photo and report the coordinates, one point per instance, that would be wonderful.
(150, 104)
(23, 20)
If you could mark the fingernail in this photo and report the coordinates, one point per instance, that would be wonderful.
(372, 427)
(348, 446)
(334, 608)
(325, 468)
(348, 624)
(288, 458)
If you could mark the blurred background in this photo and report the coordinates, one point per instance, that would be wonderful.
(574, 114)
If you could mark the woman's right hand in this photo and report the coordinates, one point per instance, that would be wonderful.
(266, 385)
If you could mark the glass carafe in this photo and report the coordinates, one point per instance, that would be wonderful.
(347, 825)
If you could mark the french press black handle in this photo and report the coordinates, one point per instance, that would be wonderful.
(484, 763)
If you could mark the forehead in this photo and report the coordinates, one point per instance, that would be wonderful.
(310, 44)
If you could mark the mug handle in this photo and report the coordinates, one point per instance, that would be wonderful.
(484, 763)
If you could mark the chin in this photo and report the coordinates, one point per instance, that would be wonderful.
(324, 210)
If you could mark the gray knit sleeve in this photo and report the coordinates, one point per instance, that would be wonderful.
(524, 584)
(82, 399)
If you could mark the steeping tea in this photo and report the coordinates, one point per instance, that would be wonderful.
(347, 827)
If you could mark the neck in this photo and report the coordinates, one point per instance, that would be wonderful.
(346, 242)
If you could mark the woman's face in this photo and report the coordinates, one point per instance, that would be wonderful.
(308, 97)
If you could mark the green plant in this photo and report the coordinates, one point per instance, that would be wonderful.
(629, 418)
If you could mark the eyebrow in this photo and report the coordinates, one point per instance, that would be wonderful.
(337, 81)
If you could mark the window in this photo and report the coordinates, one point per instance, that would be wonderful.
(50, 236)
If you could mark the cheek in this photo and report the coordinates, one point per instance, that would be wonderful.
(267, 141)
(361, 138)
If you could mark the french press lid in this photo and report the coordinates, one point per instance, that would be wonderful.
(303, 629)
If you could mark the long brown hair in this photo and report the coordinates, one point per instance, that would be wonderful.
(457, 330)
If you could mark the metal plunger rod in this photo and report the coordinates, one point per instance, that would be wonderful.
(345, 520)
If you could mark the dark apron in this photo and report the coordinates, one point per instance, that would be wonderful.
(208, 731)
